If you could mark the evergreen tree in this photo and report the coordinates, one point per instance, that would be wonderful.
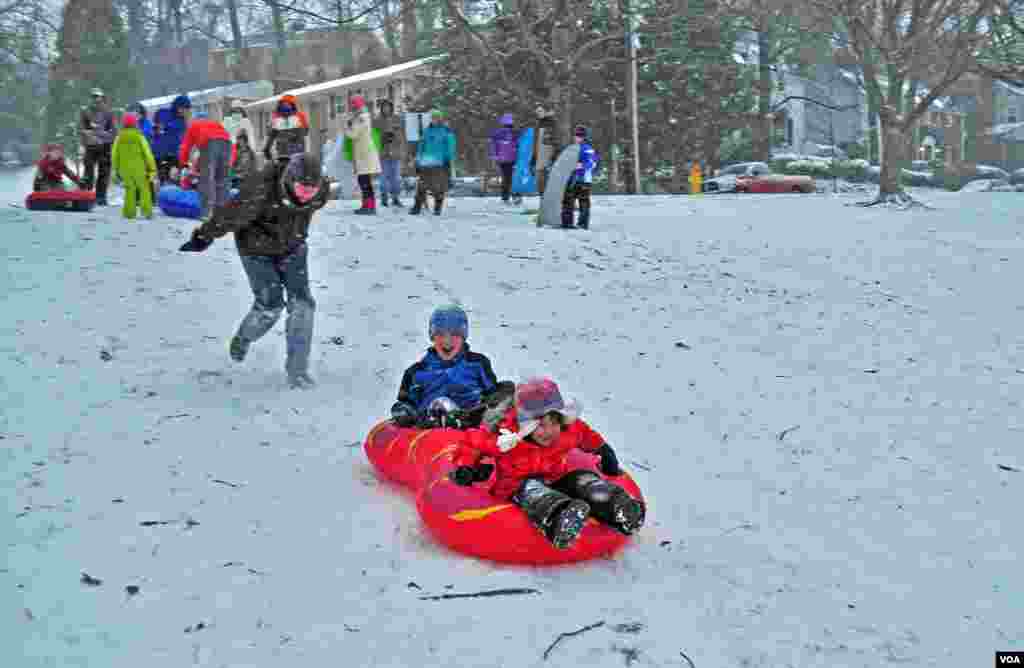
(92, 52)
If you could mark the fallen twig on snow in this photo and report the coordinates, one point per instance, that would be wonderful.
(786, 432)
(172, 417)
(740, 526)
(1008, 468)
(562, 636)
(688, 660)
(225, 482)
(639, 465)
(90, 580)
(481, 594)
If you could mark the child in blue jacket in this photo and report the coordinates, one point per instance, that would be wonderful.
(581, 182)
(451, 385)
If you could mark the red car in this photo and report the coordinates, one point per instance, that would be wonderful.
(774, 183)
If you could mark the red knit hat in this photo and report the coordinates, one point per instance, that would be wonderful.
(130, 120)
(357, 102)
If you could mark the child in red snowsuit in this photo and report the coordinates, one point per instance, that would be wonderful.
(51, 170)
(531, 471)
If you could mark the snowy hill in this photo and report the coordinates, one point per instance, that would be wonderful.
(821, 402)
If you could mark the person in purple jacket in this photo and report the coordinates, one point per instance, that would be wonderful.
(504, 142)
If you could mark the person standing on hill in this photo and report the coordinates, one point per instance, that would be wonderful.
(289, 128)
(365, 141)
(134, 165)
(504, 147)
(169, 127)
(96, 130)
(434, 155)
(392, 152)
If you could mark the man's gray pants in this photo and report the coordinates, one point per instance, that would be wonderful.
(270, 277)
(214, 161)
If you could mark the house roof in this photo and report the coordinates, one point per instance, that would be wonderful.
(347, 82)
(198, 97)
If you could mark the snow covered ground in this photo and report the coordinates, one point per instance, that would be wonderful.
(821, 402)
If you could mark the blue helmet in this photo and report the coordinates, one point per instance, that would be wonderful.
(449, 319)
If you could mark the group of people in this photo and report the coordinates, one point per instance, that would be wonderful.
(376, 146)
(504, 151)
(144, 153)
(526, 429)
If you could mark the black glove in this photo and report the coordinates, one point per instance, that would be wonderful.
(197, 244)
(609, 462)
(467, 475)
(447, 165)
(404, 414)
(417, 169)
(267, 155)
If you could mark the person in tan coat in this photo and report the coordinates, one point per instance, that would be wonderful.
(392, 152)
(365, 152)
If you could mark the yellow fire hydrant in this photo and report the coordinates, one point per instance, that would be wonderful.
(696, 179)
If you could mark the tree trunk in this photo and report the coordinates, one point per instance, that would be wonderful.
(613, 141)
(409, 31)
(236, 30)
(179, 27)
(893, 143)
(277, 18)
(390, 36)
(762, 127)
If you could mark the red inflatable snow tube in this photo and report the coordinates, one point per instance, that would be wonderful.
(469, 519)
(61, 200)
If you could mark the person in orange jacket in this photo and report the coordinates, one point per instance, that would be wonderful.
(531, 471)
(289, 128)
(214, 144)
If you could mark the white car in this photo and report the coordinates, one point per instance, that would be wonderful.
(725, 182)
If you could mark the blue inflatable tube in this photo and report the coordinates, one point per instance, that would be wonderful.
(178, 203)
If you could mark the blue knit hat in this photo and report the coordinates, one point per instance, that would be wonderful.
(449, 319)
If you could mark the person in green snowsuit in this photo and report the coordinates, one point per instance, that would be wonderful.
(134, 164)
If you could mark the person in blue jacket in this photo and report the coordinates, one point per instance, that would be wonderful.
(581, 182)
(451, 385)
(434, 154)
(145, 125)
(168, 132)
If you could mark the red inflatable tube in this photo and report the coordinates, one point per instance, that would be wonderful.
(469, 519)
(61, 200)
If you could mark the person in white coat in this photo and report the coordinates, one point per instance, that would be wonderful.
(365, 152)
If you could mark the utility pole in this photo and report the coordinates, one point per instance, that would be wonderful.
(631, 94)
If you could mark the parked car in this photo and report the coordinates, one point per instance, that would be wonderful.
(775, 183)
(725, 180)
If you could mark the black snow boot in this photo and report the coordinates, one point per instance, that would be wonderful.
(417, 206)
(438, 204)
(395, 201)
(609, 503)
(584, 222)
(622, 512)
(557, 516)
(384, 200)
(567, 218)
